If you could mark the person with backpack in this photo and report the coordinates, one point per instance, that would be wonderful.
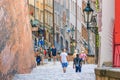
(38, 58)
(77, 63)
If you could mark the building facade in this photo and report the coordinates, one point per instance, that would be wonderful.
(41, 14)
(48, 22)
(90, 36)
(106, 31)
(84, 32)
(61, 23)
(75, 24)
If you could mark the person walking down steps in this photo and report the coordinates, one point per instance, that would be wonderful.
(38, 58)
(53, 52)
(77, 63)
(64, 60)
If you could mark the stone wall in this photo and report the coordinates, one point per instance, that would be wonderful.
(107, 73)
(16, 51)
(90, 59)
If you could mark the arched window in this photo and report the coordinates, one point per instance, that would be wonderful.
(57, 37)
(61, 42)
(66, 44)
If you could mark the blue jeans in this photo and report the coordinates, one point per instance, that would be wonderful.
(78, 69)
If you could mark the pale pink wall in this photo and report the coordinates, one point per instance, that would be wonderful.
(106, 31)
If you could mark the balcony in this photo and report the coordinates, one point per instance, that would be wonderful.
(34, 28)
(35, 24)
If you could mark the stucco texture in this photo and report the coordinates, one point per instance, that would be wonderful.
(16, 51)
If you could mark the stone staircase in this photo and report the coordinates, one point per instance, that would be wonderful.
(50, 71)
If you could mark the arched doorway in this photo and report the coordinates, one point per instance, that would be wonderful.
(57, 37)
(61, 42)
(66, 45)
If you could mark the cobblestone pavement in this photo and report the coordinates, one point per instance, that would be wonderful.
(50, 71)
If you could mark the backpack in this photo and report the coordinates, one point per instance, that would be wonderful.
(77, 62)
(38, 58)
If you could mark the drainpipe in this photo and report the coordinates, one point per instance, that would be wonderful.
(76, 25)
(53, 26)
(44, 18)
(34, 9)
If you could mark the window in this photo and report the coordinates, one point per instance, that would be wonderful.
(78, 13)
(57, 37)
(59, 20)
(71, 5)
(41, 1)
(67, 4)
(41, 16)
(74, 8)
(61, 2)
(49, 37)
(51, 20)
(49, 3)
(55, 18)
(45, 16)
(36, 13)
(48, 19)
(64, 3)
(66, 45)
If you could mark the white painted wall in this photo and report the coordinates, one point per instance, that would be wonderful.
(31, 2)
(79, 2)
(72, 17)
(106, 33)
(79, 21)
(73, 20)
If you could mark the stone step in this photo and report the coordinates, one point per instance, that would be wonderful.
(50, 71)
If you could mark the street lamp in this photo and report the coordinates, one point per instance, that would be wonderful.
(88, 13)
(72, 40)
(72, 31)
(72, 44)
